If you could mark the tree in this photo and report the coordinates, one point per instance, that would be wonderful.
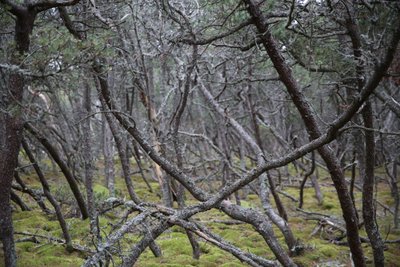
(10, 118)
(221, 103)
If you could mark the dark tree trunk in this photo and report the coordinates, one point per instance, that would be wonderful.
(11, 98)
(353, 180)
(17, 200)
(367, 158)
(64, 168)
(310, 121)
(303, 183)
(49, 196)
(32, 193)
(395, 194)
(369, 213)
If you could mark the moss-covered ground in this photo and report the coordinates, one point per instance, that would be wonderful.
(318, 250)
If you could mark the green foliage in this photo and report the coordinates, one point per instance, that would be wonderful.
(59, 50)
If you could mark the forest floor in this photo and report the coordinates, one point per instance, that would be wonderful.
(318, 249)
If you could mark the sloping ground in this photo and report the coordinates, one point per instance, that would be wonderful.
(34, 249)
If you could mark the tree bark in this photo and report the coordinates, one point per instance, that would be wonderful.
(88, 161)
(17, 200)
(108, 154)
(32, 193)
(303, 183)
(11, 130)
(369, 212)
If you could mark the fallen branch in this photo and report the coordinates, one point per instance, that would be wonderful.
(56, 240)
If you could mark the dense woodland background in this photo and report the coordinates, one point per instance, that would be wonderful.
(199, 133)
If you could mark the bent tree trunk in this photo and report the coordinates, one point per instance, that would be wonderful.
(52, 151)
(49, 196)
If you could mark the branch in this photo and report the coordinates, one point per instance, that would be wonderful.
(42, 5)
(393, 105)
(25, 72)
(216, 37)
(15, 9)
(57, 240)
(68, 23)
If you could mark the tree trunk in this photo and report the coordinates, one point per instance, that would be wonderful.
(121, 148)
(303, 183)
(369, 212)
(17, 200)
(310, 121)
(49, 196)
(52, 151)
(32, 193)
(108, 154)
(395, 193)
(11, 98)
(88, 161)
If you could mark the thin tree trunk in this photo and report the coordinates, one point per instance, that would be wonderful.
(368, 157)
(177, 147)
(317, 189)
(52, 151)
(283, 226)
(138, 161)
(277, 199)
(49, 196)
(303, 183)
(369, 212)
(353, 181)
(395, 193)
(121, 148)
(17, 200)
(109, 170)
(257, 135)
(30, 192)
(88, 161)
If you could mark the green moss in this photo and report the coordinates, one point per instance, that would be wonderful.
(177, 243)
(231, 264)
(328, 251)
(100, 189)
(30, 254)
(25, 247)
(328, 206)
(174, 243)
(31, 221)
(216, 257)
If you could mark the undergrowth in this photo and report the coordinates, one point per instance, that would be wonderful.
(318, 251)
